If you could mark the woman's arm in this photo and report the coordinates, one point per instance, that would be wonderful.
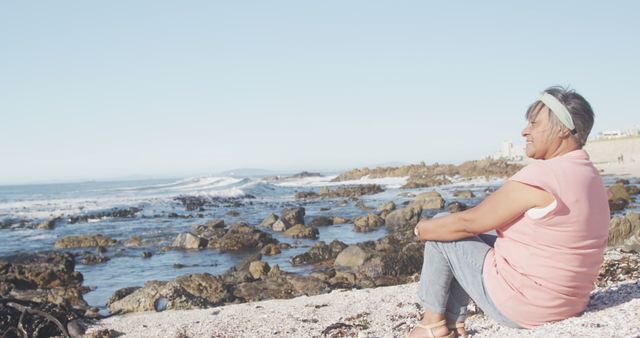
(509, 202)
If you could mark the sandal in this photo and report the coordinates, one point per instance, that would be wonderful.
(454, 328)
(430, 328)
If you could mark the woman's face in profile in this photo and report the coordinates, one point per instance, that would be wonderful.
(539, 136)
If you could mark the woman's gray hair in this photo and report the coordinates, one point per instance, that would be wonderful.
(578, 107)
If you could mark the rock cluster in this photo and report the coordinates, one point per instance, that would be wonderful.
(42, 278)
(342, 192)
(251, 280)
(422, 175)
(238, 236)
(84, 241)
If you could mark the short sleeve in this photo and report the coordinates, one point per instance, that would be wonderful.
(538, 174)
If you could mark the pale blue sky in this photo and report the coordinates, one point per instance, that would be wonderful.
(96, 90)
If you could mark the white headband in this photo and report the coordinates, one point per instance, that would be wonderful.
(559, 109)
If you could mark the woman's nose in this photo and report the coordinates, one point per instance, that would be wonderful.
(525, 131)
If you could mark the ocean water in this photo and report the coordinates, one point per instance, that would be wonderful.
(253, 198)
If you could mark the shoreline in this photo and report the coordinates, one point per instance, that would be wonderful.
(614, 311)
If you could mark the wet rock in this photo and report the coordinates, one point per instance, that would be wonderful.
(42, 277)
(38, 319)
(300, 231)
(618, 197)
(258, 269)
(270, 250)
(195, 291)
(187, 240)
(91, 259)
(404, 219)
(367, 223)
(625, 232)
(632, 190)
(269, 221)
(429, 200)
(233, 213)
(84, 241)
(97, 215)
(49, 224)
(321, 221)
(281, 225)
(210, 229)
(293, 215)
(456, 206)
(463, 194)
(618, 204)
(241, 236)
(320, 252)
(146, 254)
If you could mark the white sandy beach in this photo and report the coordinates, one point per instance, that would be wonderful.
(380, 312)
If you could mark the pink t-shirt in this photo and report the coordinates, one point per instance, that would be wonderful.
(542, 270)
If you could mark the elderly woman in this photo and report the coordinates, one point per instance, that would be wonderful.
(551, 220)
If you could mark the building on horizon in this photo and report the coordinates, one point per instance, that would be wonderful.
(509, 152)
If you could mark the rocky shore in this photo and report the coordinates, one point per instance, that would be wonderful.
(47, 281)
(614, 311)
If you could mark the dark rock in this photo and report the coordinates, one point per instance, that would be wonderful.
(320, 252)
(91, 259)
(321, 221)
(38, 319)
(49, 224)
(293, 215)
(233, 213)
(84, 241)
(42, 277)
(241, 236)
(343, 192)
(210, 229)
(270, 250)
(96, 215)
(305, 174)
(147, 254)
(456, 206)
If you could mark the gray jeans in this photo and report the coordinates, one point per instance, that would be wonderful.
(451, 272)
